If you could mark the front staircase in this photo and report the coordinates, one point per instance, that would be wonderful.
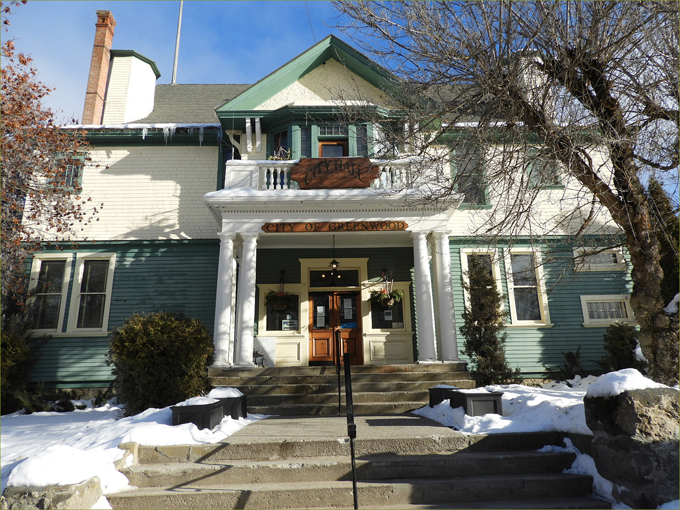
(402, 462)
(307, 391)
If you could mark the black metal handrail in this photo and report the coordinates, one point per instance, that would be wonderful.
(338, 354)
(351, 427)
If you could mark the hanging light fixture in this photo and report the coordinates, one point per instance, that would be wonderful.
(333, 265)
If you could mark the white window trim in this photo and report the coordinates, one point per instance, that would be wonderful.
(495, 265)
(581, 260)
(75, 292)
(33, 284)
(540, 287)
(598, 323)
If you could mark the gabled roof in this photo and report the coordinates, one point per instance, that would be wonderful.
(193, 104)
(329, 48)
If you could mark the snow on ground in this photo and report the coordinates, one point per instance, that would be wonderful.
(62, 448)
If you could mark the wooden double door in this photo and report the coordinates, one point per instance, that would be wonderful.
(330, 312)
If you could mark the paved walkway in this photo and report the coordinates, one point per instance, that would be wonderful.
(322, 428)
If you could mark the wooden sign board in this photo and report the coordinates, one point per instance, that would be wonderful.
(334, 173)
(336, 226)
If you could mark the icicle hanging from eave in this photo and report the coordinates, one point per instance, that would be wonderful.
(168, 131)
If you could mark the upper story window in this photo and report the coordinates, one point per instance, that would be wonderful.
(469, 172)
(542, 171)
(333, 130)
(327, 140)
(281, 147)
(70, 176)
(333, 149)
(333, 140)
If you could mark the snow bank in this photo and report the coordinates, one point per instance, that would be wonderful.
(63, 448)
(614, 383)
(525, 409)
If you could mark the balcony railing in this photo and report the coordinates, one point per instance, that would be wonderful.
(273, 175)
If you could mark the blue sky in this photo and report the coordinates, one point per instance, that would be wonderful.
(221, 41)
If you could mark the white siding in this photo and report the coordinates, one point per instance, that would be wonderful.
(151, 193)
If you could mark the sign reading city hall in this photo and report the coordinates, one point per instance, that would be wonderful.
(334, 173)
(336, 226)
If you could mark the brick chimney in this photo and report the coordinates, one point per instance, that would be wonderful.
(99, 68)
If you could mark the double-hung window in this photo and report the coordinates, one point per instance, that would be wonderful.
(49, 288)
(526, 288)
(542, 171)
(487, 258)
(333, 141)
(469, 172)
(90, 287)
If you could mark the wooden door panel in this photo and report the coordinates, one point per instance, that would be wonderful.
(322, 347)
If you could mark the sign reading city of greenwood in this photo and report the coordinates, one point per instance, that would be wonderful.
(336, 226)
(334, 173)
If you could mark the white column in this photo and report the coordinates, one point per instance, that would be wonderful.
(224, 326)
(446, 312)
(246, 302)
(249, 138)
(258, 135)
(425, 323)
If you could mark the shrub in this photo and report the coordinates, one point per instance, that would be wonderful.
(483, 325)
(620, 342)
(571, 367)
(159, 359)
(16, 362)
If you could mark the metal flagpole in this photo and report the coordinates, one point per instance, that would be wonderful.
(179, 28)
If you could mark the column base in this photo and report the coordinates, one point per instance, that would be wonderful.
(244, 366)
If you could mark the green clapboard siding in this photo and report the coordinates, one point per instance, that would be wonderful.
(535, 349)
(149, 276)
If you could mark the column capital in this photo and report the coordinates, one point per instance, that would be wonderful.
(226, 236)
(249, 235)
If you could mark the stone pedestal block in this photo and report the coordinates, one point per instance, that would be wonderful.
(80, 495)
(635, 444)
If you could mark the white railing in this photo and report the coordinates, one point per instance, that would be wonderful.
(276, 175)
(273, 175)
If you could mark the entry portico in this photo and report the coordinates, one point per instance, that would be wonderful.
(278, 219)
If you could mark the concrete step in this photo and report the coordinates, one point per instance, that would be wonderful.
(377, 467)
(332, 387)
(427, 377)
(331, 370)
(332, 397)
(330, 409)
(338, 446)
(548, 503)
(314, 494)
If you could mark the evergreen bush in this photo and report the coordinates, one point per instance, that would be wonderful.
(620, 342)
(18, 353)
(483, 325)
(159, 359)
(16, 362)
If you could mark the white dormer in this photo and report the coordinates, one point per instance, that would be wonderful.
(131, 87)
